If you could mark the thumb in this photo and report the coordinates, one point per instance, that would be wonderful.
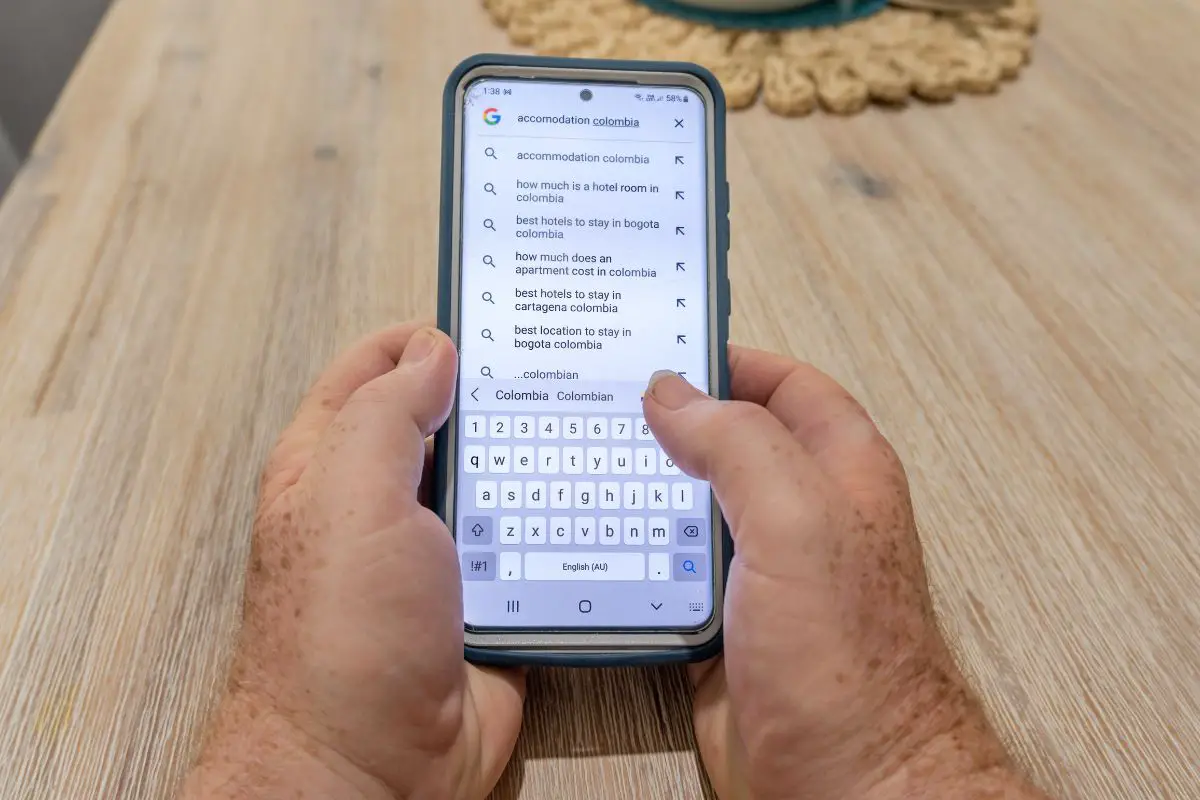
(771, 491)
(375, 448)
(497, 698)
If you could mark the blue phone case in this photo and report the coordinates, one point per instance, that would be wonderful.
(443, 460)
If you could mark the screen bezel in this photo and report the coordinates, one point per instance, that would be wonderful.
(592, 640)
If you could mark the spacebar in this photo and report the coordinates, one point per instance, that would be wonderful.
(585, 567)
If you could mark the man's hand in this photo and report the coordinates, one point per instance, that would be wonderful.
(349, 679)
(835, 681)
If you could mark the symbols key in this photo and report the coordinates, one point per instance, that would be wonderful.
(479, 566)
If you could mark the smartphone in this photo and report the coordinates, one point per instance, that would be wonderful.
(583, 238)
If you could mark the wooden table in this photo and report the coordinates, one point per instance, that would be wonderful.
(231, 191)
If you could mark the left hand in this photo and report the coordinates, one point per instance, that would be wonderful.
(835, 681)
(349, 678)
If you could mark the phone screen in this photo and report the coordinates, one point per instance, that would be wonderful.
(584, 268)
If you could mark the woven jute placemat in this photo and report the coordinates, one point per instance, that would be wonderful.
(889, 57)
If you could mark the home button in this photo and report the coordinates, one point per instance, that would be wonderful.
(585, 606)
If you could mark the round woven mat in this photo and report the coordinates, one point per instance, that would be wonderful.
(886, 58)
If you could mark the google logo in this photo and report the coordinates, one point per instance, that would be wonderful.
(491, 116)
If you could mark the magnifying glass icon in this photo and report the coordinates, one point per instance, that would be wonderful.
(487, 298)
(490, 152)
(688, 566)
(488, 260)
(487, 334)
(487, 373)
(490, 188)
(487, 223)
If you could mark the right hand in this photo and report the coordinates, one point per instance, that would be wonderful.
(835, 680)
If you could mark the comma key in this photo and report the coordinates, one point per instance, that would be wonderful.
(510, 566)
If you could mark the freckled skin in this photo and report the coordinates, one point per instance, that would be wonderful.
(835, 681)
(349, 680)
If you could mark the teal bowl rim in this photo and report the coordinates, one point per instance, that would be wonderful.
(822, 14)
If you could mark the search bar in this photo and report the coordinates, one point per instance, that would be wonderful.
(585, 567)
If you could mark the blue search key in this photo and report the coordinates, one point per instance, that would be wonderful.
(689, 567)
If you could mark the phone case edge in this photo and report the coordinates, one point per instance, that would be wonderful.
(497, 657)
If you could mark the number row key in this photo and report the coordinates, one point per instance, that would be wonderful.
(500, 426)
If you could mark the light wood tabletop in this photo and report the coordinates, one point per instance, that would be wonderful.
(229, 192)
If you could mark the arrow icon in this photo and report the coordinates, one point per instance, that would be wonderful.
(678, 194)
(679, 266)
(679, 303)
(656, 606)
(679, 230)
(474, 394)
(476, 529)
(678, 159)
(680, 339)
